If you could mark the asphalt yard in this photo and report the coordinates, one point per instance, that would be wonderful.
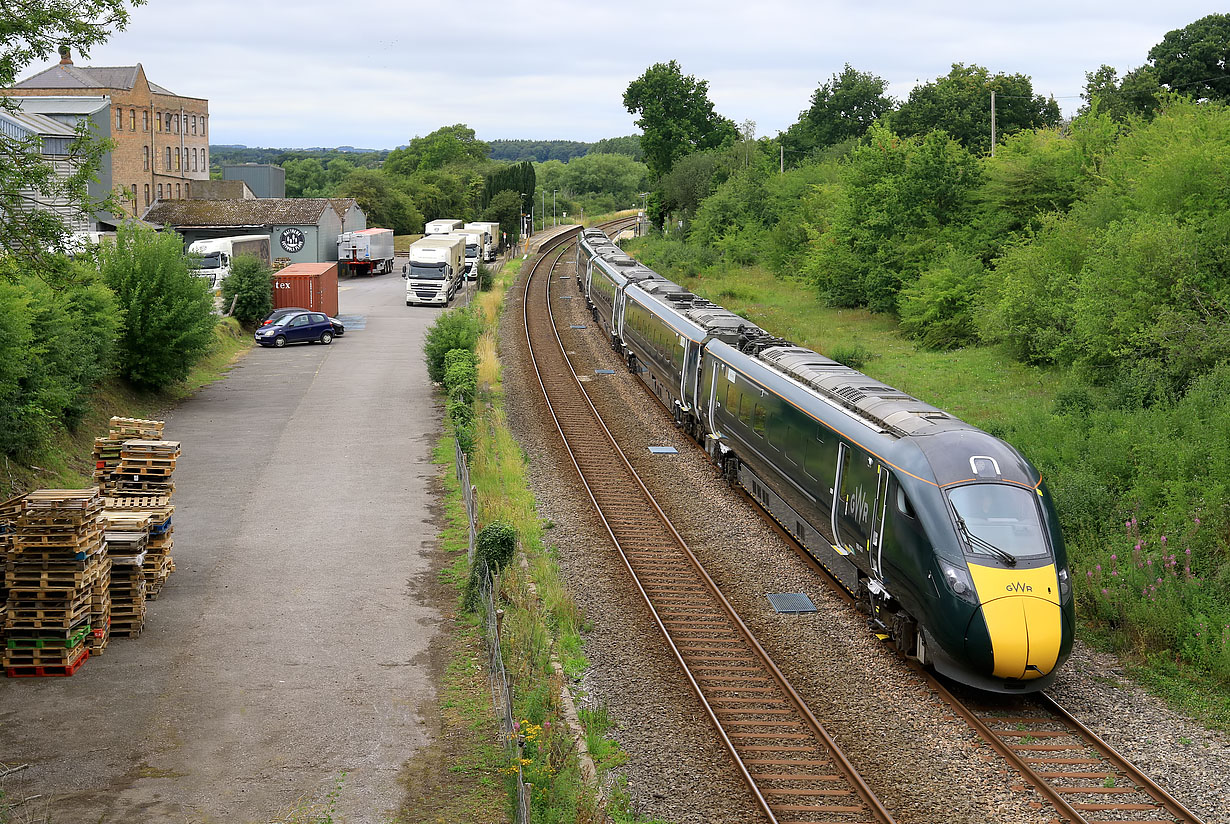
(287, 657)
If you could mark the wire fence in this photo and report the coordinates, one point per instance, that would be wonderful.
(497, 676)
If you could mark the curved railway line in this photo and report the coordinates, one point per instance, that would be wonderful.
(794, 770)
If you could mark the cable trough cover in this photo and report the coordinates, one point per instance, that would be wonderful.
(791, 603)
(664, 450)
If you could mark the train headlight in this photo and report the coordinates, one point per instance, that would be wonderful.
(959, 581)
(1065, 586)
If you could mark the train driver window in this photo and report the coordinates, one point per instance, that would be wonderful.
(903, 504)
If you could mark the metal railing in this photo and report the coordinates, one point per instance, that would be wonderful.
(497, 676)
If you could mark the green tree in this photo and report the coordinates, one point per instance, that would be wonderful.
(1136, 95)
(168, 313)
(614, 174)
(902, 200)
(841, 109)
(505, 208)
(445, 146)
(384, 204)
(30, 32)
(960, 104)
(1195, 60)
(630, 146)
(305, 177)
(250, 287)
(676, 116)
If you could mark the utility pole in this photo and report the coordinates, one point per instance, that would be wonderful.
(992, 124)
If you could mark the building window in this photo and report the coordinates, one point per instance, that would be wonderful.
(167, 164)
(204, 161)
(119, 120)
(168, 116)
(160, 191)
(175, 120)
(177, 158)
(187, 191)
(146, 194)
(202, 124)
(134, 198)
(158, 120)
(194, 161)
(132, 120)
(194, 124)
(178, 196)
(146, 158)
(145, 120)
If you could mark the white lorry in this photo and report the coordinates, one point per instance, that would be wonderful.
(493, 230)
(441, 226)
(435, 270)
(476, 240)
(366, 251)
(217, 254)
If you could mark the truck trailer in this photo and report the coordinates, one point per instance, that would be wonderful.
(366, 251)
(217, 254)
(476, 241)
(441, 226)
(435, 271)
(496, 238)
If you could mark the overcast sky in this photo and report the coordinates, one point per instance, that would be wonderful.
(374, 73)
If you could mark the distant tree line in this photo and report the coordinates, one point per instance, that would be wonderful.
(540, 151)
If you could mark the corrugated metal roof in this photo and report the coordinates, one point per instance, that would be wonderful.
(287, 211)
(39, 124)
(64, 104)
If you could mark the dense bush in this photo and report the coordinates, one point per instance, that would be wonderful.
(461, 382)
(56, 344)
(250, 287)
(168, 314)
(494, 547)
(455, 329)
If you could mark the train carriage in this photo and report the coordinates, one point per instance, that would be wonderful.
(945, 534)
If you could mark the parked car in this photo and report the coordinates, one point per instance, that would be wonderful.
(296, 327)
(338, 328)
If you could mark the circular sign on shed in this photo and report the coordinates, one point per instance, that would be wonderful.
(292, 239)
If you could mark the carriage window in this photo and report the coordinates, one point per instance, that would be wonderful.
(745, 409)
(813, 458)
(758, 419)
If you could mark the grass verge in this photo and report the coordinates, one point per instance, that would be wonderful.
(540, 618)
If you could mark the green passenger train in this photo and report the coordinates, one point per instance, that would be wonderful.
(945, 534)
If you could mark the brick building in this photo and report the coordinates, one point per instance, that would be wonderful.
(161, 138)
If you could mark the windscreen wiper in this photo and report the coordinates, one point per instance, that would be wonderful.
(1007, 557)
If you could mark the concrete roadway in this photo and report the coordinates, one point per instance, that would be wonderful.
(291, 645)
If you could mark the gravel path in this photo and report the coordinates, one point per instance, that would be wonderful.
(924, 765)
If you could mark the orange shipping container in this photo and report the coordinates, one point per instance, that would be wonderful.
(309, 285)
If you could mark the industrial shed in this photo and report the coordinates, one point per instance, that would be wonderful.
(301, 230)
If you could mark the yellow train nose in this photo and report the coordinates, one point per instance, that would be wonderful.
(1023, 617)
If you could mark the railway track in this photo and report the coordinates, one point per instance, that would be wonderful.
(793, 768)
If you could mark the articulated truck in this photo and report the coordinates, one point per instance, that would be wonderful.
(475, 240)
(217, 254)
(493, 237)
(367, 251)
(435, 271)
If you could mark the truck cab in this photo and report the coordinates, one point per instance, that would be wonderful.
(435, 271)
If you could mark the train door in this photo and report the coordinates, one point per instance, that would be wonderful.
(617, 315)
(860, 493)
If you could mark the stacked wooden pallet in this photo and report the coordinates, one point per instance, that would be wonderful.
(157, 510)
(127, 533)
(146, 468)
(9, 510)
(56, 561)
(107, 450)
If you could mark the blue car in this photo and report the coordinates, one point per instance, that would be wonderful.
(296, 327)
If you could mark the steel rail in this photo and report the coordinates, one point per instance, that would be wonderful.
(808, 720)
